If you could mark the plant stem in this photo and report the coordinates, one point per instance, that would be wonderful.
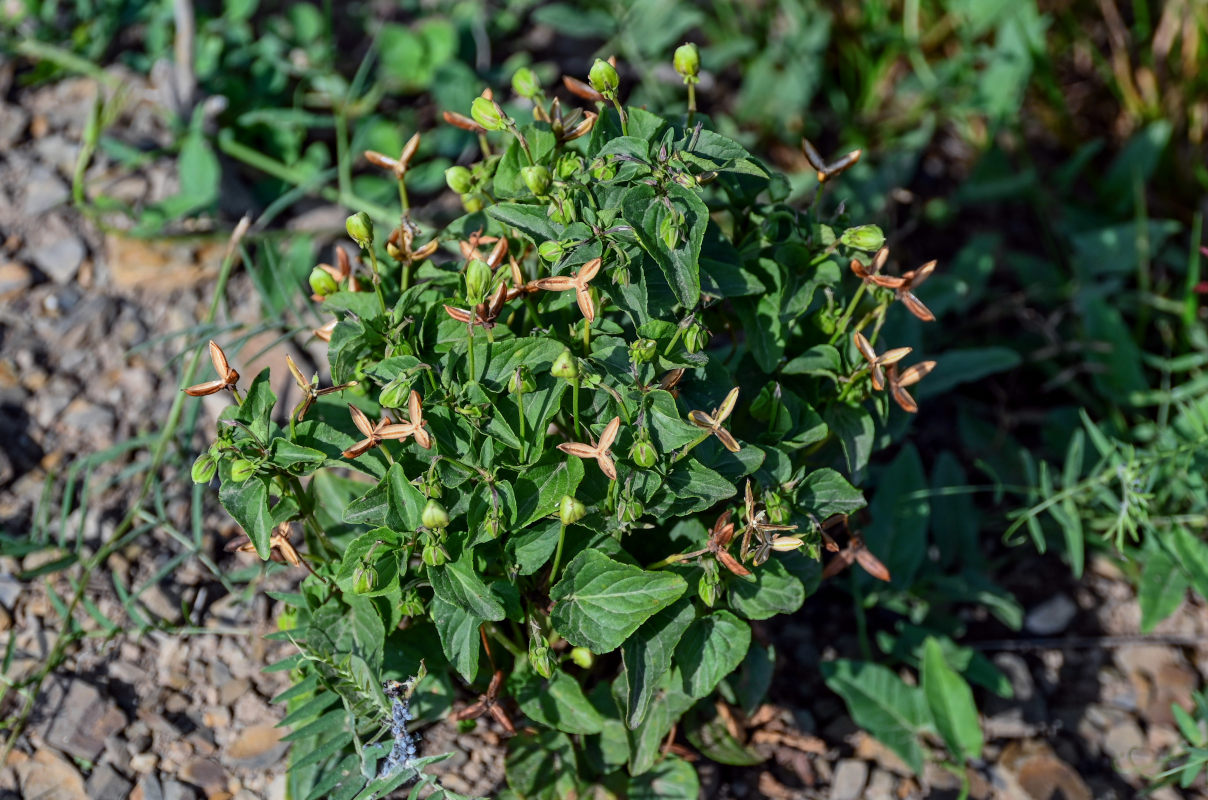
(841, 325)
(691, 103)
(377, 278)
(520, 403)
(553, 573)
(575, 402)
(470, 352)
(688, 448)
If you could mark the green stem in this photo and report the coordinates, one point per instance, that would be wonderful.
(523, 143)
(575, 403)
(520, 403)
(403, 198)
(470, 352)
(841, 325)
(553, 573)
(691, 103)
(377, 278)
(505, 640)
(861, 618)
(688, 448)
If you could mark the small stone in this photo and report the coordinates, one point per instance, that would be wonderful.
(232, 690)
(848, 782)
(1051, 617)
(148, 789)
(80, 719)
(143, 763)
(15, 278)
(13, 121)
(43, 191)
(869, 749)
(1031, 770)
(881, 786)
(1122, 741)
(55, 249)
(106, 784)
(175, 790)
(257, 747)
(48, 776)
(205, 773)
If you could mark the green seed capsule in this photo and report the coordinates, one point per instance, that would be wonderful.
(459, 179)
(411, 604)
(868, 238)
(582, 657)
(522, 381)
(364, 579)
(696, 337)
(473, 203)
(643, 351)
(707, 588)
(550, 250)
(643, 454)
(570, 510)
(537, 178)
(321, 282)
(204, 467)
(433, 555)
(488, 114)
(541, 659)
(242, 469)
(565, 366)
(778, 509)
(630, 510)
(394, 394)
(603, 77)
(492, 525)
(434, 516)
(525, 83)
(687, 61)
(360, 228)
(478, 280)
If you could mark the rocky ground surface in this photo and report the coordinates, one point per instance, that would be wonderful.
(172, 702)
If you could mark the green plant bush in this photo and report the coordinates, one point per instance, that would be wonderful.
(577, 442)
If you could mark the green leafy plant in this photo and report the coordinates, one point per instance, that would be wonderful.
(525, 475)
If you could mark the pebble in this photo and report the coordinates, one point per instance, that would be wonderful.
(44, 190)
(848, 782)
(80, 719)
(106, 784)
(1051, 617)
(206, 773)
(175, 790)
(48, 776)
(13, 121)
(15, 278)
(881, 786)
(55, 250)
(143, 763)
(257, 747)
(1122, 740)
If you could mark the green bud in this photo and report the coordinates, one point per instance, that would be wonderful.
(411, 604)
(360, 228)
(643, 351)
(582, 657)
(778, 509)
(643, 453)
(433, 554)
(242, 469)
(707, 588)
(478, 280)
(630, 510)
(537, 178)
(669, 231)
(434, 515)
(522, 380)
(204, 467)
(460, 179)
(364, 579)
(321, 282)
(525, 83)
(561, 211)
(687, 61)
(603, 77)
(473, 203)
(696, 337)
(568, 165)
(550, 250)
(604, 169)
(565, 366)
(541, 658)
(394, 394)
(570, 510)
(488, 114)
(492, 525)
(868, 238)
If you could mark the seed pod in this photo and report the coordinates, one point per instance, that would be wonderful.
(473, 203)
(537, 178)
(488, 114)
(522, 380)
(394, 394)
(322, 283)
(707, 588)
(778, 509)
(242, 469)
(603, 77)
(630, 510)
(565, 366)
(204, 467)
(433, 555)
(570, 510)
(434, 516)
(868, 238)
(411, 604)
(360, 228)
(525, 83)
(687, 61)
(696, 337)
(459, 179)
(493, 525)
(643, 351)
(643, 453)
(550, 250)
(541, 659)
(364, 579)
(478, 280)
(582, 657)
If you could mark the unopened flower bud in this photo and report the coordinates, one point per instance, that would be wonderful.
(565, 366)
(433, 554)
(643, 351)
(687, 61)
(582, 657)
(541, 658)
(643, 454)
(695, 338)
(537, 178)
(522, 381)
(360, 228)
(707, 587)
(411, 604)
(364, 579)
(778, 509)
(322, 283)
(242, 469)
(473, 203)
(492, 525)
(459, 179)
(603, 77)
(488, 114)
(570, 510)
(478, 280)
(784, 544)
(868, 238)
(550, 250)
(204, 467)
(630, 510)
(434, 515)
(525, 83)
(394, 394)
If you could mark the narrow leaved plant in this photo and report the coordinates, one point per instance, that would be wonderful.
(572, 445)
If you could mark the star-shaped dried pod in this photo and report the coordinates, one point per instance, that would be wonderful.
(905, 292)
(719, 542)
(876, 363)
(871, 273)
(310, 388)
(462, 121)
(580, 89)
(825, 170)
(371, 432)
(227, 377)
(280, 547)
(470, 249)
(412, 427)
(712, 422)
(396, 165)
(908, 377)
(484, 314)
(600, 451)
(324, 333)
(758, 526)
(488, 703)
(855, 552)
(399, 243)
(579, 282)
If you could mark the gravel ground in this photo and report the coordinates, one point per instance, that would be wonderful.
(149, 713)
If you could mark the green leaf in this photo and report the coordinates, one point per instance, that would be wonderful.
(458, 630)
(708, 732)
(882, 704)
(774, 591)
(711, 649)
(900, 511)
(646, 741)
(247, 502)
(821, 359)
(647, 657)
(200, 172)
(404, 502)
(680, 264)
(671, 779)
(257, 408)
(955, 367)
(1192, 554)
(599, 602)
(854, 428)
(951, 702)
(457, 583)
(540, 488)
(697, 487)
(532, 220)
(825, 492)
(558, 703)
(1161, 588)
(954, 518)
(537, 763)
